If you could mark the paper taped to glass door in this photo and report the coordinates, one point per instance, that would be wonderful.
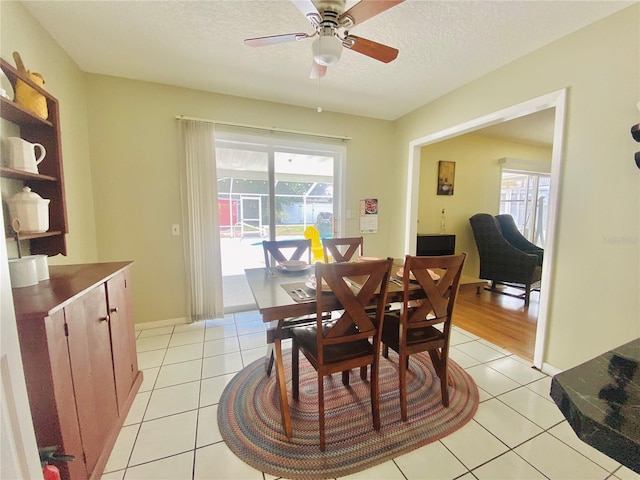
(369, 215)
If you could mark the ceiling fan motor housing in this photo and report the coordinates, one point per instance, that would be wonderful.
(326, 49)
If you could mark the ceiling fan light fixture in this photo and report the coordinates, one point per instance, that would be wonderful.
(326, 50)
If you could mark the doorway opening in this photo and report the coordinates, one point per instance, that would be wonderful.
(555, 100)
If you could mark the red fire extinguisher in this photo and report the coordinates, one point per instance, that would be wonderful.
(51, 472)
(49, 454)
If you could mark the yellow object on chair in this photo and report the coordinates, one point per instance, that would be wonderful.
(317, 254)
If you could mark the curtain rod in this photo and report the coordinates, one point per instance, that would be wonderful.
(257, 127)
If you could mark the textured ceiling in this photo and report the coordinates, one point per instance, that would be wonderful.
(199, 44)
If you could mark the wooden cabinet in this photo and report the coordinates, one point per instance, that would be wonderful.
(435, 244)
(78, 350)
(49, 183)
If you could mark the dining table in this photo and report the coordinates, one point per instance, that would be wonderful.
(288, 297)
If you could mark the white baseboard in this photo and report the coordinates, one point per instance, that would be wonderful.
(550, 369)
(161, 323)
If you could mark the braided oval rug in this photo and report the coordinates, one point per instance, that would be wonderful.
(250, 423)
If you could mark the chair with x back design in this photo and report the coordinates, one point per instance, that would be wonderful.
(353, 338)
(341, 249)
(280, 251)
(413, 328)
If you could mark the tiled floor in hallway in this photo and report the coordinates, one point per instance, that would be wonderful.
(171, 432)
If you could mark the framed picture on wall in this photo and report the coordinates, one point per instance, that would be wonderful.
(446, 177)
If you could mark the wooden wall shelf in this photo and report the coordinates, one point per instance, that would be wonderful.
(25, 176)
(49, 182)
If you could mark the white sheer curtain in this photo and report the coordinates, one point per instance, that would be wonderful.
(198, 185)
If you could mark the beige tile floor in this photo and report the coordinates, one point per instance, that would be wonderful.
(171, 432)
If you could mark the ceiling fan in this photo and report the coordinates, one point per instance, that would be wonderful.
(331, 25)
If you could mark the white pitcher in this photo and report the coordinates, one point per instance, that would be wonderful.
(22, 154)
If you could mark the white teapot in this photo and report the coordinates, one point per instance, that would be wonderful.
(22, 154)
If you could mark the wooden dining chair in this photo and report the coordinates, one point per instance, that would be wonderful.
(277, 251)
(413, 328)
(350, 340)
(283, 250)
(341, 249)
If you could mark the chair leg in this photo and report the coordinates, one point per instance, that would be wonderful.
(363, 373)
(375, 392)
(270, 357)
(321, 410)
(402, 372)
(444, 383)
(527, 294)
(345, 377)
(295, 370)
(268, 360)
(385, 351)
(439, 362)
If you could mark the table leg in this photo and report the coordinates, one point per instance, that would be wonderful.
(282, 389)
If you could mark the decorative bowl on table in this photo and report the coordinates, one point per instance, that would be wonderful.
(293, 265)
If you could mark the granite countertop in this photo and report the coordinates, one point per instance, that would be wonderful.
(601, 401)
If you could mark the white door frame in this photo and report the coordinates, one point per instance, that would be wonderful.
(555, 100)
(19, 457)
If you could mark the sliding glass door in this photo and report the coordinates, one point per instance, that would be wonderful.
(272, 188)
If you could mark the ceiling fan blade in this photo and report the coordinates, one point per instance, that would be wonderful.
(317, 71)
(365, 9)
(306, 7)
(274, 39)
(372, 49)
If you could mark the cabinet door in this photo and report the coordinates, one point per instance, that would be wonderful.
(92, 370)
(64, 399)
(123, 344)
(47, 372)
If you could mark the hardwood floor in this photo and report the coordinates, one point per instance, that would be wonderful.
(499, 319)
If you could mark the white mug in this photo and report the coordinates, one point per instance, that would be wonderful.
(22, 154)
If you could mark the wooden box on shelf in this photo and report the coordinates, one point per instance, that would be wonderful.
(49, 182)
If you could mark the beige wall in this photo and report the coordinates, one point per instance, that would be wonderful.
(64, 80)
(129, 173)
(594, 298)
(133, 138)
(477, 185)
